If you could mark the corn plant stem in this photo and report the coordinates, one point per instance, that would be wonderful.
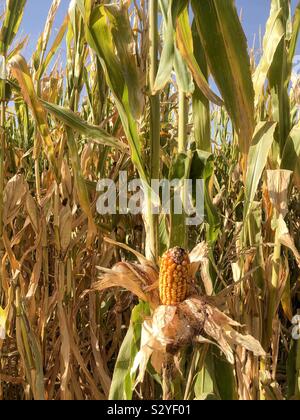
(182, 148)
(37, 147)
(182, 122)
(2, 152)
(153, 49)
(151, 247)
(274, 286)
(154, 123)
(37, 180)
(2, 147)
(45, 265)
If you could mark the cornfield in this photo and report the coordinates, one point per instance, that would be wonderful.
(143, 306)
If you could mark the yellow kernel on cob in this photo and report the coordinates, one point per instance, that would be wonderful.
(173, 277)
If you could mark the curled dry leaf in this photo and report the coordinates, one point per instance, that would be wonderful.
(33, 212)
(278, 184)
(65, 227)
(66, 181)
(200, 261)
(197, 256)
(131, 277)
(286, 239)
(14, 195)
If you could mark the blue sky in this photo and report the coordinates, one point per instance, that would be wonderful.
(254, 16)
(34, 19)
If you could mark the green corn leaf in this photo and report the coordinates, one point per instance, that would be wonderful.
(12, 20)
(279, 79)
(203, 168)
(225, 46)
(273, 36)
(171, 57)
(180, 170)
(260, 148)
(291, 152)
(183, 75)
(122, 381)
(121, 386)
(186, 48)
(122, 37)
(80, 126)
(167, 56)
(293, 42)
(201, 108)
(99, 37)
(204, 386)
(222, 375)
(98, 34)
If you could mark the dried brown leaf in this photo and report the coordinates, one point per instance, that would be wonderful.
(14, 195)
(278, 182)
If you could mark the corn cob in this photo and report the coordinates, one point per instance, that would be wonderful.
(173, 277)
